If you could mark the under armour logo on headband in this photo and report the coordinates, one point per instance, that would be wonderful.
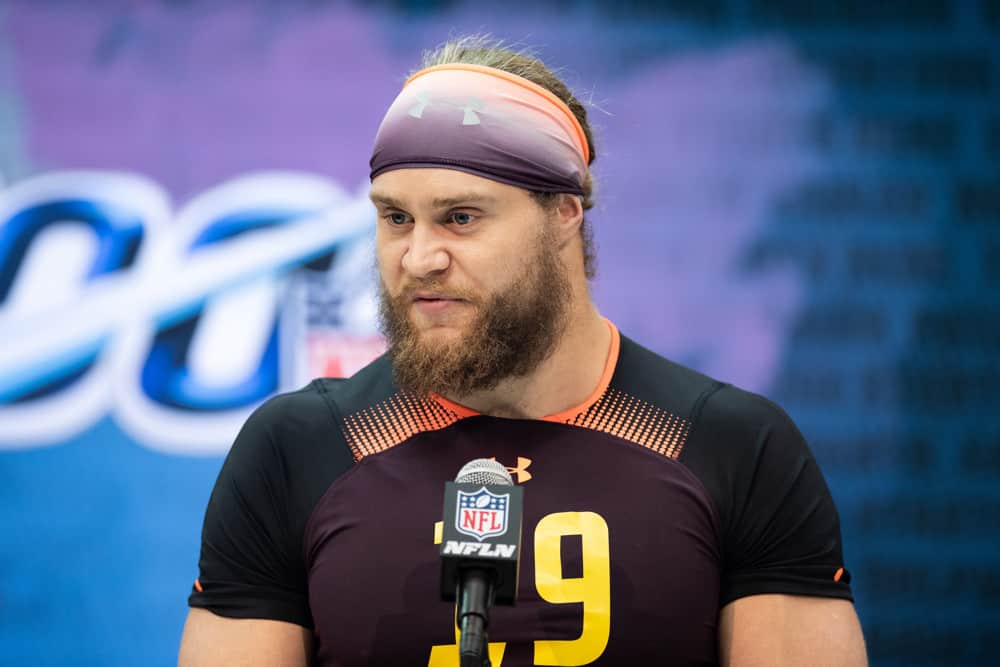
(472, 105)
(469, 109)
(417, 110)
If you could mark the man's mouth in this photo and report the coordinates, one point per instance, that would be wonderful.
(428, 297)
(436, 305)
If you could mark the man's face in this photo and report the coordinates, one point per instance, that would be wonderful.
(472, 287)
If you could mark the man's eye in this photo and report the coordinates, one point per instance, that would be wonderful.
(395, 218)
(460, 218)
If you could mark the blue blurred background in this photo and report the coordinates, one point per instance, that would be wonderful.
(801, 198)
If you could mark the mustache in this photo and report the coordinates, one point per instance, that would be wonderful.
(434, 286)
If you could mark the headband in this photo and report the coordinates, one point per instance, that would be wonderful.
(487, 122)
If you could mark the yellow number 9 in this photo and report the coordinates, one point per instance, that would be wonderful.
(593, 589)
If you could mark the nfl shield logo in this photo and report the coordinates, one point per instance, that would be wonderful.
(482, 514)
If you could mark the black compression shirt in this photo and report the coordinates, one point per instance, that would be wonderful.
(648, 508)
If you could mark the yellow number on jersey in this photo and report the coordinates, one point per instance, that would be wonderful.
(593, 589)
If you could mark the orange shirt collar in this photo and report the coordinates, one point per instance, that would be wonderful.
(565, 415)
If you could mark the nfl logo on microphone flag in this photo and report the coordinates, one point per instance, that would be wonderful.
(482, 514)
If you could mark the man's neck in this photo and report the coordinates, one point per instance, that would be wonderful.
(566, 378)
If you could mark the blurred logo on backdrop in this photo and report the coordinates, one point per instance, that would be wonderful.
(177, 322)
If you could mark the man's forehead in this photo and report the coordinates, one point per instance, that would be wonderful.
(438, 188)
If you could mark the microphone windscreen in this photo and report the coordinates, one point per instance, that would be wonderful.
(484, 471)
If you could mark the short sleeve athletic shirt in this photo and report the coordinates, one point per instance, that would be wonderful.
(648, 508)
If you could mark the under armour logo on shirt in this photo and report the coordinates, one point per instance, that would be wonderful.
(469, 108)
(520, 471)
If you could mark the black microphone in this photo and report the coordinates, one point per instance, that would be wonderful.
(480, 550)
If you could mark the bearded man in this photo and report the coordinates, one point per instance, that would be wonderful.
(669, 518)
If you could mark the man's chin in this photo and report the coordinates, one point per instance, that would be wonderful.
(439, 337)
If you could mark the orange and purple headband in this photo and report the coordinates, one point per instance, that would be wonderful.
(486, 122)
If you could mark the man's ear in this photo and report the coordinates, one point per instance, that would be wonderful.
(569, 216)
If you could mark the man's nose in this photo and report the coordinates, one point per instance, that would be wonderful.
(426, 254)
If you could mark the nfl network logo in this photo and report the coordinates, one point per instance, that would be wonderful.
(482, 514)
(176, 318)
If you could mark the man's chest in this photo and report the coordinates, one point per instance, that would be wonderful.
(619, 559)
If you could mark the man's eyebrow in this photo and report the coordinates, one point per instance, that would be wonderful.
(385, 200)
(380, 199)
(463, 198)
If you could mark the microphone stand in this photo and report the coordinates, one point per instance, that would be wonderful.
(475, 597)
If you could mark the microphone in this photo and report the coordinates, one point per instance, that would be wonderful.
(480, 550)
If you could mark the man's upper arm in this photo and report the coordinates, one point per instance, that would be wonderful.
(778, 525)
(251, 564)
(785, 595)
(251, 596)
(786, 630)
(215, 641)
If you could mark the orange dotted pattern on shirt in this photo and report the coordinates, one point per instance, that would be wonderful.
(393, 421)
(635, 420)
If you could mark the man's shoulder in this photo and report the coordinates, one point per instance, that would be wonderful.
(688, 393)
(370, 386)
(725, 428)
(656, 380)
(304, 429)
(323, 402)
